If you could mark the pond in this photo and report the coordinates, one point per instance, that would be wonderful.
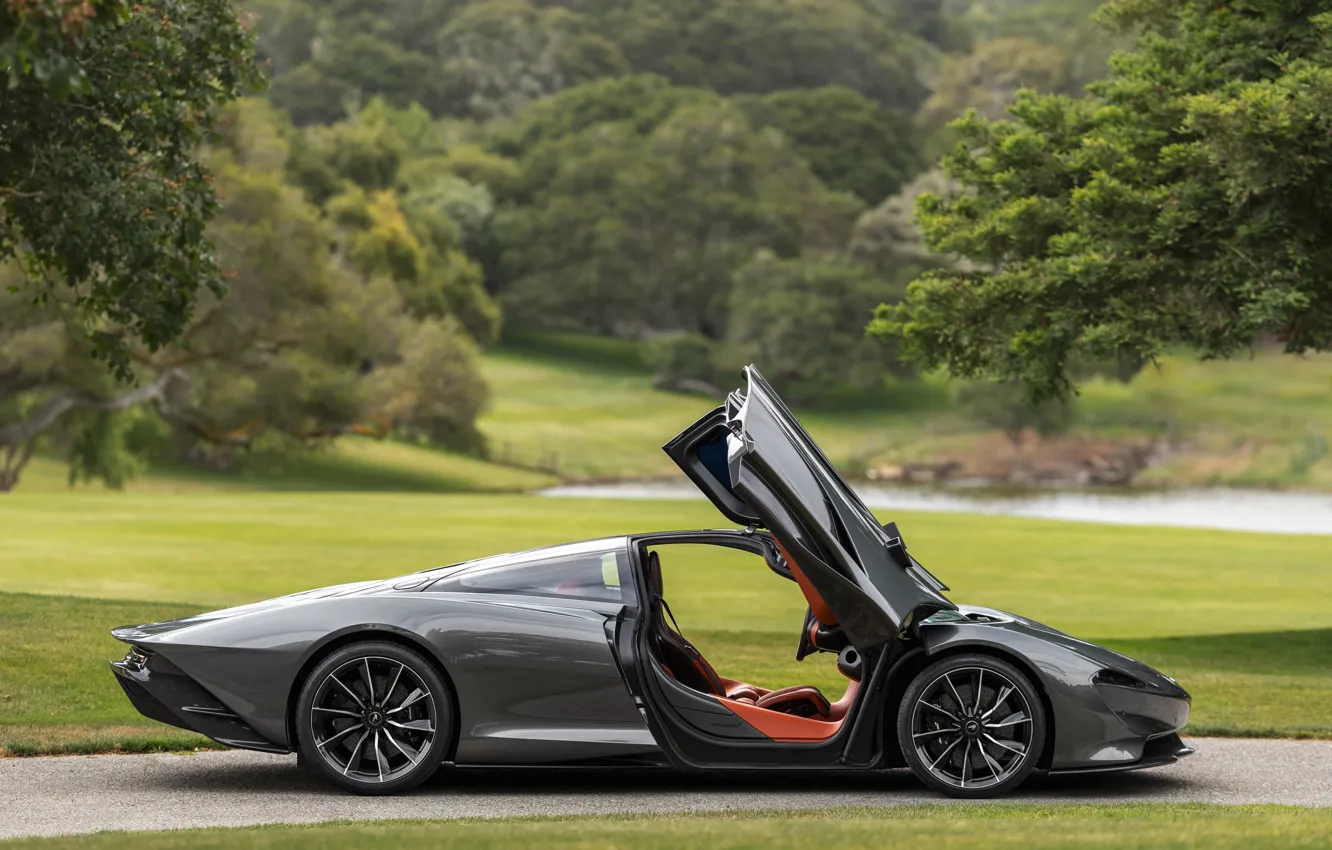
(1232, 509)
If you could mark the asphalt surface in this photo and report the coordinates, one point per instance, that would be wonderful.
(71, 794)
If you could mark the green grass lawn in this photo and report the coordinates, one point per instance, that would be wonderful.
(594, 417)
(1243, 620)
(587, 406)
(355, 464)
(1004, 825)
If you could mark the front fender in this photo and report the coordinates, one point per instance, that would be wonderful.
(1088, 732)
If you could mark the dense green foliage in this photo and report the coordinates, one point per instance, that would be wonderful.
(1182, 203)
(103, 204)
(304, 346)
(722, 181)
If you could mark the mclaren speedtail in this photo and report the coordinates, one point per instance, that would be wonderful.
(567, 655)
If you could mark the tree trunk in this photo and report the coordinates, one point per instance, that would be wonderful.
(18, 439)
(16, 458)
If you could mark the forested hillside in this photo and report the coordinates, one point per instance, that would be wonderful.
(734, 180)
(723, 180)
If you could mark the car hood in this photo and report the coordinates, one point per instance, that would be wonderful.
(759, 466)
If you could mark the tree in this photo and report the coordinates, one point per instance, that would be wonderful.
(500, 54)
(888, 237)
(102, 200)
(1006, 408)
(400, 223)
(989, 78)
(852, 143)
(302, 349)
(803, 319)
(1066, 24)
(627, 233)
(1184, 204)
(763, 46)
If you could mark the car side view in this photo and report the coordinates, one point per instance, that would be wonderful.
(568, 655)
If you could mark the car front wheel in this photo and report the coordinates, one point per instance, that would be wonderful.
(375, 718)
(971, 726)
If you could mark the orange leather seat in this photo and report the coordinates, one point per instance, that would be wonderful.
(687, 665)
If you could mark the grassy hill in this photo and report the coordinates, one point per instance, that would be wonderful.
(591, 411)
(571, 407)
(587, 408)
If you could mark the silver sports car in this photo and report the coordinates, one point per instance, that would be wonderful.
(568, 655)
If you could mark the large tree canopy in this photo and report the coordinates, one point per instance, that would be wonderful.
(101, 198)
(1184, 203)
(632, 227)
(316, 337)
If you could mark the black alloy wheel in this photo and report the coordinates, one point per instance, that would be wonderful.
(374, 718)
(971, 726)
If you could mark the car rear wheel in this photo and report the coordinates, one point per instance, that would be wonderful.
(374, 717)
(971, 726)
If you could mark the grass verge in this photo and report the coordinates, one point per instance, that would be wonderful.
(351, 464)
(943, 827)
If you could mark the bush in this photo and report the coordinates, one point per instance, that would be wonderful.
(682, 361)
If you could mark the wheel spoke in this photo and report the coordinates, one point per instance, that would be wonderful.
(1003, 695)
(950, 715)
(1022, 751)
(337, 711)
(388, 695)
(408, 750)
(422, 725)
(416, 694)
(332, 738)
(1011, 720)
(951, 730)
(979, 686)
(961, 706)
(994, 765)
(948, 749)
(369, 681)
(379, 760)
(349, 691)
(966, 763)
(356, 752)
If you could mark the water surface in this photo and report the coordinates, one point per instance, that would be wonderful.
(1232, 509)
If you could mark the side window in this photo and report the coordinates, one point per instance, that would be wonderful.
(601, 576)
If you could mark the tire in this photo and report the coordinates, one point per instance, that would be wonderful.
(960, 750)
(375, 718)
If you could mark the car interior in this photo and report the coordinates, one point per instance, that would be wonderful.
(794, 713)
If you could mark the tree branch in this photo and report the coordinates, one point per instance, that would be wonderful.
(56, 407)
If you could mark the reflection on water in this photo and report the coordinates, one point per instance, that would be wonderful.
(1236, 510)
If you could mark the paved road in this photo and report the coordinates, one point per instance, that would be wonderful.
(44, 796)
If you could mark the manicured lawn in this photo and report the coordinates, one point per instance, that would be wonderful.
(935, 826)
(218, 549)
(1241, 619)
(597, 419)
(351, 464)
(588, 406)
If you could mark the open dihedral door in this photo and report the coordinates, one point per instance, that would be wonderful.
(759, 467)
